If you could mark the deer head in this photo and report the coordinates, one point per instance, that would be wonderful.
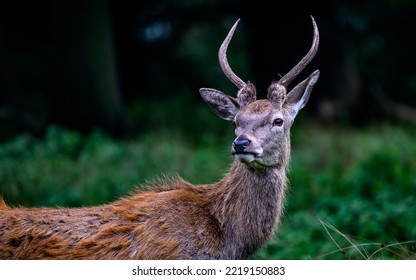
(262, 126)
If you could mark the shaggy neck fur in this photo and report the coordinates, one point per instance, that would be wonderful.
(248, 207)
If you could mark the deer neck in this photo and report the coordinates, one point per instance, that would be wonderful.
(250, 203)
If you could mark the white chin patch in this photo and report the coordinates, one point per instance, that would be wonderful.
(245, 157)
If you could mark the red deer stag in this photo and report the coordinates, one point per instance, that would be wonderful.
(174, 219)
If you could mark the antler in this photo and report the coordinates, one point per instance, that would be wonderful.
(222, 56)
(286, 79)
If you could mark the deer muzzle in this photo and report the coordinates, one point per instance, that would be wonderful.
(245, 150)
(239, 146)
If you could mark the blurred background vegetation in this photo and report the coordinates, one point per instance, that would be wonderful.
(96, 97)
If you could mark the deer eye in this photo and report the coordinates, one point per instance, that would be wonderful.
(278, 122)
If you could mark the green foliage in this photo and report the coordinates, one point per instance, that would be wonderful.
(352, 196)
(66, 168)
(352, 193)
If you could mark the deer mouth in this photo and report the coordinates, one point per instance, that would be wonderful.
(246, 151)
(245, 157)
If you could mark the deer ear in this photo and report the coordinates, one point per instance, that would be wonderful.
(223, 105)
(297, 98)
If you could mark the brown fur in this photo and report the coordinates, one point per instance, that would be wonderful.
(177, 222)
(173, 219)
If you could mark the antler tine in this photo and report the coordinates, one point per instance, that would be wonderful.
(222, 56)
(286, 79)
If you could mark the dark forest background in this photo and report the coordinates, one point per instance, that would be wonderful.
(96, 97)
(89, 64)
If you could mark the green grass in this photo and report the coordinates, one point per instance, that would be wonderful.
(352, 196)
(352, 193)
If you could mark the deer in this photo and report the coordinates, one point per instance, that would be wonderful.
(171, 218)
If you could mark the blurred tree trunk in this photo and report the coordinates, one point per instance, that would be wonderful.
(84, 91)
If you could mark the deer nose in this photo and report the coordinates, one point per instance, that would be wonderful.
(240, 144)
